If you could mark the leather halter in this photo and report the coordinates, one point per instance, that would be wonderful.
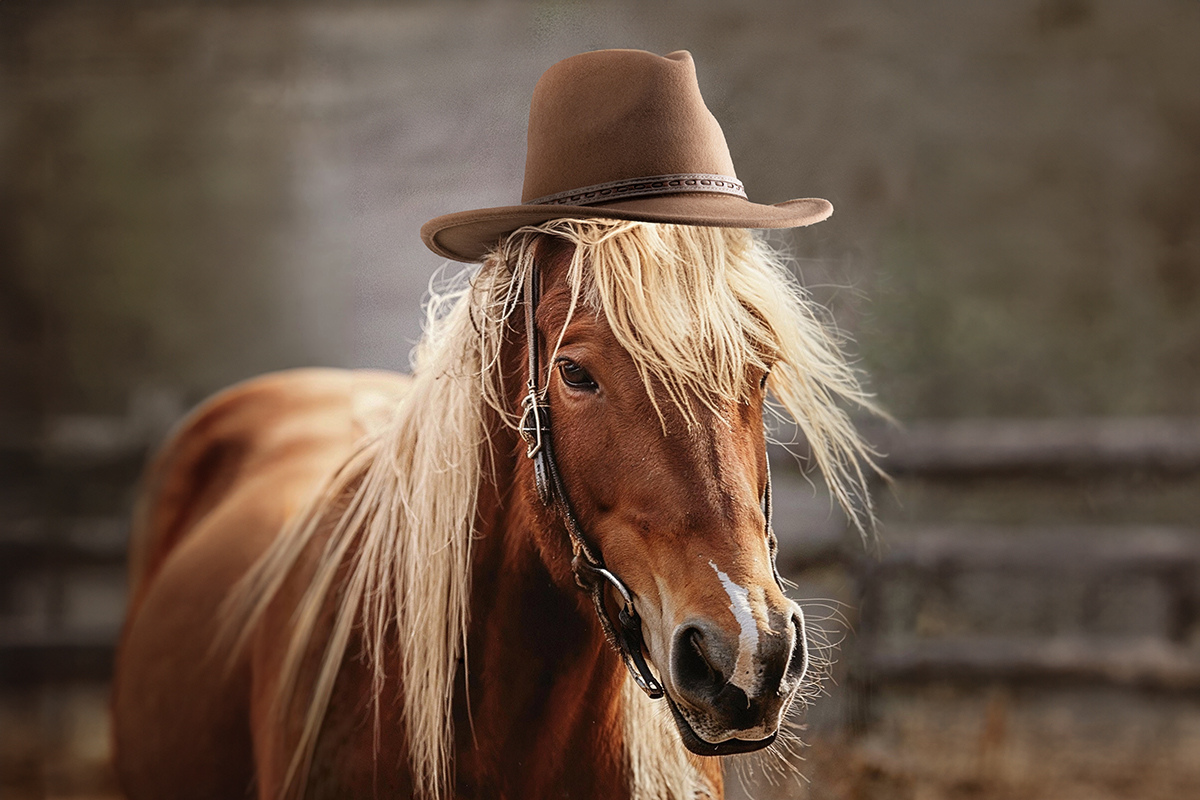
(588, 567)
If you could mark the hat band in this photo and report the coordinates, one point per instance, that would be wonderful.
(643, 187)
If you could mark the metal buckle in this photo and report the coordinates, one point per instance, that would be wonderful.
(531, 434)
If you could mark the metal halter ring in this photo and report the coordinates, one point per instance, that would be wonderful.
(531, 434)
(615, 581)
(629, 640)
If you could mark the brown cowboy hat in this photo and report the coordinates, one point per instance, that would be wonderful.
(620, 134)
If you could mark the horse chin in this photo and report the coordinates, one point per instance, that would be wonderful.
(700, 747)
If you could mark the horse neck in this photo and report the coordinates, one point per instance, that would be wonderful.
(544, 689)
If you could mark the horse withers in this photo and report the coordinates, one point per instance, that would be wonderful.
(477, 580)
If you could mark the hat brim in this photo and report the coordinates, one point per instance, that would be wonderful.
(468, 235)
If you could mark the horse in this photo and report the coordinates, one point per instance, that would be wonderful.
(540, 566)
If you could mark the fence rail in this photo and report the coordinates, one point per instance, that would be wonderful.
(1130, 567)
(1147, 664)
(977, 450)
(996, 447)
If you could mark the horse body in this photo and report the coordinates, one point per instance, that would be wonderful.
(218, 494)
(547, 706)
(347, 584)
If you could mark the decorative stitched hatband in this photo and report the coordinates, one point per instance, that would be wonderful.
(642, 187)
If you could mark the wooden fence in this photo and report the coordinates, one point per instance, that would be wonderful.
(67, 502)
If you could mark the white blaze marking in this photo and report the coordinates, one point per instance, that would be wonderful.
(739, 603)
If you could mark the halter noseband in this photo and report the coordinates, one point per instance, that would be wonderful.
(588, 567)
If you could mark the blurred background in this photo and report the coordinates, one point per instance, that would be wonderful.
(194, 193)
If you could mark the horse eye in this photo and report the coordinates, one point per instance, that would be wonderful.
(576, 376)
(762, 383)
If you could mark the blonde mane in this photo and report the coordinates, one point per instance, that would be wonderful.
(697, 308)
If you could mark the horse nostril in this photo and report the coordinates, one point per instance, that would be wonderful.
(703, 666)
(692, 667)
(798, 662)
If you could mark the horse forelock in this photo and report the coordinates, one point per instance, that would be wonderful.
(700, 310)
(705, 311)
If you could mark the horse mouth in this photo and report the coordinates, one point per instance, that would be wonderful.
(729, 747)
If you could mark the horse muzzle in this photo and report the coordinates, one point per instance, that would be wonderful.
(727, 693)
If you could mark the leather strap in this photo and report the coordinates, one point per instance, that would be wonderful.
(588, 567)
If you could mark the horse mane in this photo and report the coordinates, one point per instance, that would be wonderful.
(697, 308)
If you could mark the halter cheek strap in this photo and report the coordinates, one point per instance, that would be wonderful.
(590, 573)
(588, 567)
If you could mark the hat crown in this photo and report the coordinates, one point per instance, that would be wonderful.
(613, 115)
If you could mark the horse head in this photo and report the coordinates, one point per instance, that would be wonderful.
(669, 488)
